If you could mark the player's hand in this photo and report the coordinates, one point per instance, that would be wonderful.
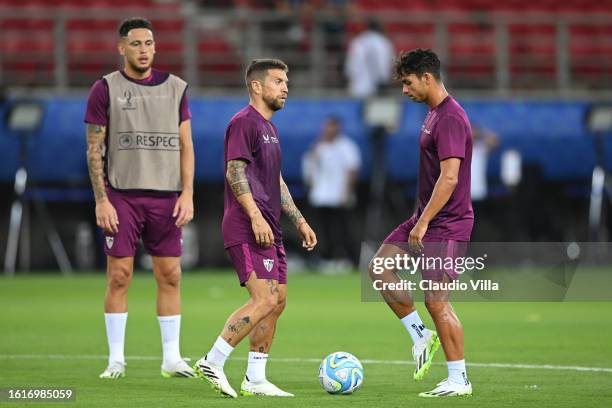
(106, 217)
(415, 239)
(183, 209)
(309, 239)
(263, 232)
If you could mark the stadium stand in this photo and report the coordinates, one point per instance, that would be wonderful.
(28, 48)
(532, 127)
(27, 44)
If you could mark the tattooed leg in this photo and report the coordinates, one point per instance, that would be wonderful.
(264, 299)
(236, 325)
(262, 335)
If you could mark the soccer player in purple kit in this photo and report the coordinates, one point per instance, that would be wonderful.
(255, 195)
(141, 165)
(443, 220)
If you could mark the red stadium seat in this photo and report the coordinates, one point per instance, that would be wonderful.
(471, 48)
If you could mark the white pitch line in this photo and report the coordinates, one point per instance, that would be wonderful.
(312, 360)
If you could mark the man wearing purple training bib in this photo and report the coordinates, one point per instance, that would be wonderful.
(440, 228)
(141, 164)
(255, 195)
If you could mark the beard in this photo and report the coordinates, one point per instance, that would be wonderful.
(273, 103)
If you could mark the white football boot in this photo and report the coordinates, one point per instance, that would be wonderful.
(178, 369)
(261, 388)
(448, 388)
(215, 377)
(115, 370)
(423, 353)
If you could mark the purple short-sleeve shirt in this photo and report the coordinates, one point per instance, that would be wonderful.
(252, 138)
(446, 133)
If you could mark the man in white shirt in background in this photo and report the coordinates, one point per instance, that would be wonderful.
(331, 170)
(369, 61)
(485, 142)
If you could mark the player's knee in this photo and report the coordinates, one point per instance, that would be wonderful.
(376, 271)
(119, 277)
(280, 305)
(267, 304)
(170, 277)
(435, 307)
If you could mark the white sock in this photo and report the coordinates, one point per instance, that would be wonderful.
(170, 327)
(256, 368)
(115, 334)
(415, 326)
(456, 372)
(219, 352)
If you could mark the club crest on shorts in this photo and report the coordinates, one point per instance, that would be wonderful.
(268, 264)
(109, 242)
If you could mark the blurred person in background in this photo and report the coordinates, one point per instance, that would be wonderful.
(369, 61)
(331, 19)
(331, 170)
(484, 142)
(141, 165)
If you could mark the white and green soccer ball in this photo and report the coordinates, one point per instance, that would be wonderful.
(340, 373)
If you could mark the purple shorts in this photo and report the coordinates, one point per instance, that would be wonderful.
(268, 263)
(146, 215)
(438, 253)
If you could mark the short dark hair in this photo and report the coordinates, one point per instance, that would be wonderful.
(132, 23)
(258, 68)
(418, 62)
(373, 24)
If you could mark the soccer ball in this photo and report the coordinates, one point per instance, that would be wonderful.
(340, 373)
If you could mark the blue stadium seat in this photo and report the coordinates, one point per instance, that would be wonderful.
(209, 120)
(57, 152)
(403, 145)
(549, 133)
(9, 146)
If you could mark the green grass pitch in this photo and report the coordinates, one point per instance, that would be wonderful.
(52, 335)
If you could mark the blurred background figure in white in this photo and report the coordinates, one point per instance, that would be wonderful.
(330, 170)
(485, 141)
(368, 61)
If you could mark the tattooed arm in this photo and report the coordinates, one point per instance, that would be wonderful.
(288, 206)
(106, 216)
(238, 182)
(95, 143)
(309, 239)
